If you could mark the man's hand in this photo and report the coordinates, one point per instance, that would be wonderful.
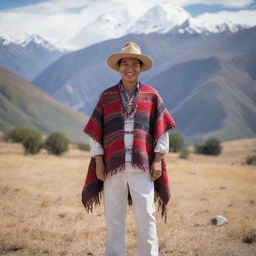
(156, 167)
(156, 170)
(100, 168)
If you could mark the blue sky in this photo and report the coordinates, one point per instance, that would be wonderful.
(197, 9)
(8, 4)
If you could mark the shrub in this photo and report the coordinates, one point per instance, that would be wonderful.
(251, 160)
(56, 143)
(33, 142)
(199, 148)
(6, 136)
(210, 147)
(18, 134)
(184, 153)
(176, 142)
(84, 146)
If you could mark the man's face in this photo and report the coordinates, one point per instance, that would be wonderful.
(130, 69)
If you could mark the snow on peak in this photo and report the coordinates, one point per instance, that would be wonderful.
(159, 19)
(106, 26)
(36, 40)
(29, 41)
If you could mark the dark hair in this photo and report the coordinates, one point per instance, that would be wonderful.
(119, 62)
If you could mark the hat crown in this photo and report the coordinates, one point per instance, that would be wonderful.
(131, 48)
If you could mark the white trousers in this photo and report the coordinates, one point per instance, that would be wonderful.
(115, 206)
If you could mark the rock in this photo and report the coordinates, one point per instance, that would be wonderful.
(219, 220)
(192, 173)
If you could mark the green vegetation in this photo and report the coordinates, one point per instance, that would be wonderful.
(176, 142)
(18, 135)
(31, 139)
(251, 160)
(184, 153)
(84, 146)
(56, 143)
(210, 147)
(33, 142)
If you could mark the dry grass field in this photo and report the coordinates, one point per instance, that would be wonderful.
(41, 212)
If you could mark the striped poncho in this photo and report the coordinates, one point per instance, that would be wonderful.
(106, 126)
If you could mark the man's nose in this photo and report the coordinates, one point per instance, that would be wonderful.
(130, 67)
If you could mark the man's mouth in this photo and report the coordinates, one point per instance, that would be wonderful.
(129, 74)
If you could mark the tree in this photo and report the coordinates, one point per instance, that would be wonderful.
(56, 143)
(18, 135)
(33, 142)
(176, 142)
(210, 147)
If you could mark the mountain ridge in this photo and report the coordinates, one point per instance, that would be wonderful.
(24, 105)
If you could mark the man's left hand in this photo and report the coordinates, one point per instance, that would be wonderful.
(156, 170)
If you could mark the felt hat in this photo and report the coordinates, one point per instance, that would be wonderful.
(129, 49)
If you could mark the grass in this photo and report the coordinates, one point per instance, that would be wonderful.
(41, 212)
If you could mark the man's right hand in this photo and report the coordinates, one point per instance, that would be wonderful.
(100, 168)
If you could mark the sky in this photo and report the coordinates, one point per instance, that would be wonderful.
(60, 19)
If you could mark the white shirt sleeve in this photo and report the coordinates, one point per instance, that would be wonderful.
(162, 145)
(96, 148)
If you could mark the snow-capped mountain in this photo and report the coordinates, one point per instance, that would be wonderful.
(157, 19)
(191, 28)
(106, 26)
(80, 24)
(28, 56)
(162, 17)
(32, 42)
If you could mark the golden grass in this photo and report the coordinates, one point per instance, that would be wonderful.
(41, 212)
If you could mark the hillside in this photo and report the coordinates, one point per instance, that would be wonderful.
(214, 96)
(24, 105)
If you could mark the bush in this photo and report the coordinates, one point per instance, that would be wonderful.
(56, 143)
(33, 143)
(176, 142)
(210, 147)
(198, 148)
(18, 134)
(184, 153)
(251, 160)
(84, 146)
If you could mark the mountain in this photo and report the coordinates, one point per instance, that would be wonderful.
(80, 24)
(211, 97)
(24, 105)
(118, 20)
(29, 57)
(185, 64)
(160, 19)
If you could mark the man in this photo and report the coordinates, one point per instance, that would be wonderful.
(129, 136)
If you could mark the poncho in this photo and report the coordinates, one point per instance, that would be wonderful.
(106, 126)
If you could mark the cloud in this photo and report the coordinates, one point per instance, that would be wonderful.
(210, 20)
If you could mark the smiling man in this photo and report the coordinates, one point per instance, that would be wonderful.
(128, 133)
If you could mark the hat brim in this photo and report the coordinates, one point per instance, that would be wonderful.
(112, 60)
